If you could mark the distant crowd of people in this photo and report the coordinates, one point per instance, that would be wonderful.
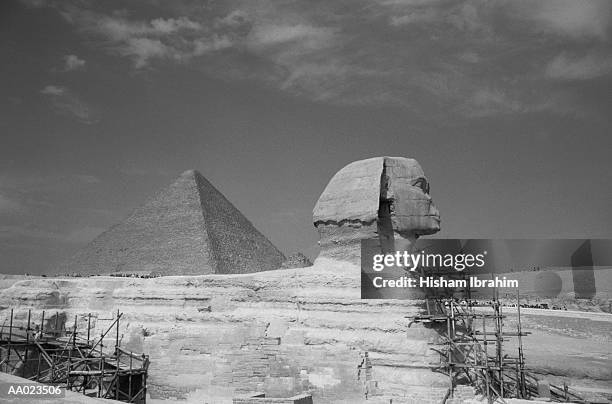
(544, 306)
(486, 303)
(77, 275)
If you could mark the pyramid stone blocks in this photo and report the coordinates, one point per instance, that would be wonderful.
(188, 228)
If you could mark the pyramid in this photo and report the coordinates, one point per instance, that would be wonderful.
(189, 228)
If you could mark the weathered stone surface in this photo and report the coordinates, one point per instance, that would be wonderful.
(260, 398)
(382, 197)
(406, 189)
(187, 228)
(283, 332)
(352, 194)
(297, 260)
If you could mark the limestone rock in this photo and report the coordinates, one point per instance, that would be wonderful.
(213, 337)
(187, 228)
(296, 260)
(381, 197)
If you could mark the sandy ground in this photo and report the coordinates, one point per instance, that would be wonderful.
(566, 346)
(70, 398)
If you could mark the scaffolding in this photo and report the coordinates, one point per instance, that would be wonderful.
(471, 347)
(53, 353)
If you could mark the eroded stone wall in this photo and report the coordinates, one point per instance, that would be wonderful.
(213, 337)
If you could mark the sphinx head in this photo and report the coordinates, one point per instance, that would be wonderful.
(382, 197)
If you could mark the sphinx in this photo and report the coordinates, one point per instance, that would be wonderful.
(383, 198)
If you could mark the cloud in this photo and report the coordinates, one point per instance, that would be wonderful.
(491, 101)
(35, 3)
(458, 57)
(416, 16)
(73, 62)
(309, 36)
(574, 67)
(575, 19)
(235, 19)
(143, 49)
(113, 28)
(66, 102)
(177, 39)
(570, 19)
(182, 38)
(53, 90)
(174, 24)
(203, 46)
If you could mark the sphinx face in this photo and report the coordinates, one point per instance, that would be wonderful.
(405, 189)
(425, 217)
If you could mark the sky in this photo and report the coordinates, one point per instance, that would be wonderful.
(505, 103)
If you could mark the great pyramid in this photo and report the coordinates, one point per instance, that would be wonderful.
(188, 228)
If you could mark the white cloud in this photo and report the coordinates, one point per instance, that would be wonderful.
(576, 19)
(214, 43)
(574, 67)
(264, 35)
(174, 24)
(53, 90)
(35, 3)
(471, 58)
(113, 28)
(182, 38)
(66, 102)
(466, 16)
(73, 62)
(143, 49)
(415, 16)
(487, 102)
(235, 19)
(178, 39)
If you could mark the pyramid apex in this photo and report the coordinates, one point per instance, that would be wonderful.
(187, 228)
(190, 173)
